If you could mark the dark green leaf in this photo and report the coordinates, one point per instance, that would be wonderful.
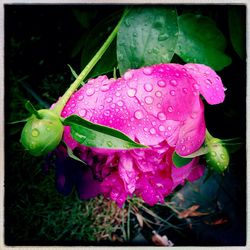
(180, 161)
(201, 42)
(237, 29)
(147, 36)
(94, 135)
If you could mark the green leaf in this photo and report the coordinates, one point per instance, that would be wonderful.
(94, 135)
(201, 42)
(237, 29)
(180, 161)
(147, 36)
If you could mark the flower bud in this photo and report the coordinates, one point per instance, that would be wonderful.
(217, 156)
(42, 134)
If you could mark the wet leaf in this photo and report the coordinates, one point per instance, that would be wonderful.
(201, 42)
(147, 36)
(94, 135)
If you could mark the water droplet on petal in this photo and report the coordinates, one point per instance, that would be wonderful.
(161, 116)
(173, 83)
(196, 86)
(161, 83)
(184, 90)
(161, 128)
(158, 93)
(109, 144)
(152, 131)
(183, 148)
(148, 87)
(117, 93)
(170, 109)
(138, 114)
(128, 75)
(120, 103)
(80, 97)
(193, 115)
(101, 107)
(172, 92)
(109, 99)
(145, 129)
(105, 87)
(90, 91)
(208, 81)
(147, 71)
(169, 128)
(107, 112)
(149, 99)
(35, 132)
(82, 112)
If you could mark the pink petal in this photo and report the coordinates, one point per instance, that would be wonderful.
(192, 133)
(191, 172)
(209, 83)
(127, 172)
(113, 187)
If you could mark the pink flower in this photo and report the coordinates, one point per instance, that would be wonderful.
(158, 106)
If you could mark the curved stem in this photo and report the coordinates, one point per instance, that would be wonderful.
(63, 100)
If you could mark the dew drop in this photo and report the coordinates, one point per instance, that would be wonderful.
(196, 86)
(80, 97)
(177, 74)
(183, 148)
(117, 94)
(105, 87)
(128, 75)
(101, 107)
(149, 99)
(170, 109)
(161, 116)
(173, 83)
(184, 90)
(120, 103)
(163, 37)
(35, 132)
(109, 144)
(109, 99)
(107, 112)
(222, 156)
(208, 81)
(112, 105)
(161, 128)
(172, 93)
(82, 112)
(90, 92)
(138, 114)
(148, 87)
(161, 83)
(147, 71)
(131, 92)
(152, 131)
(158, 93)
(169, 128)
(193, 115)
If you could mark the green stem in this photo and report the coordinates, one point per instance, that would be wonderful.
(63, 100)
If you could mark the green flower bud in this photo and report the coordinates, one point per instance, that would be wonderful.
(42, 133)
(217, 156)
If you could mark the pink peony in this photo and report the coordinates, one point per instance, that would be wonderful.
(158, 106)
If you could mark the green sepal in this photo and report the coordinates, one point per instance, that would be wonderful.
(180, 161)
